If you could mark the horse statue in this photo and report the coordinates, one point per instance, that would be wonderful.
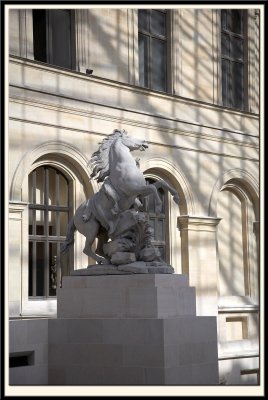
(105, 215)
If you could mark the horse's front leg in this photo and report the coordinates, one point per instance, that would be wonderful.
(173, 192)
(148, 190)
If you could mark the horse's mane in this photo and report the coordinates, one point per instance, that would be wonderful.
(99, 160)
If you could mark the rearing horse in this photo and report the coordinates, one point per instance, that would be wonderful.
(123, 181)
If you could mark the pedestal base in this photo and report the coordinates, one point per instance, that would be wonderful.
(131, 330)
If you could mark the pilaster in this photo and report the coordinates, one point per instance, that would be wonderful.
(199, 259)
(18, 240)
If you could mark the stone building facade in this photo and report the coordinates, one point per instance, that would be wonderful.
(187, 81)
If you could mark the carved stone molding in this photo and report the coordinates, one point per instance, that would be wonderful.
(17, 206)
(193, 223)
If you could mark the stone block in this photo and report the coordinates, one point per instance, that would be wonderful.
(57, 375)
(149, 254)
(138, 267)
(137, 295)
(143, 356)
(29, 375)
(122, 257)
(123, 376)
(181, 375)
(154, 376)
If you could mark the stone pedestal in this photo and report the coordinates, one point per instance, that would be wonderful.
(131, 330)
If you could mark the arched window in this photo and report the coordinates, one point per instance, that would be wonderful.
(237, 243)
(158, 222)
(49, 210)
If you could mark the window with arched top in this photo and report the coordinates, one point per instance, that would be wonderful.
(158, 221)
(237, 243)
(49, 212)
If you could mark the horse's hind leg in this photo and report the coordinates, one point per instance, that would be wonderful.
(90, 237)
(87, 212)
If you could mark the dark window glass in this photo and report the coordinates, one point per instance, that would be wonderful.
(143, 20)
(60, 38)
(52, 37)
(152, 49)
(159, 64)
(40, 35)
(158, 23)
(237, 50)
(239, 85)
(233, 58)
(225, 45)
(157, 222)
(144, 60)
(48, 220)
(237, 21)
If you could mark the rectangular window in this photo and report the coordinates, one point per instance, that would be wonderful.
(53, 37)
(153, 49)
(233, 60)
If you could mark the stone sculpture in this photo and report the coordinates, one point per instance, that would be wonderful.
(114, 214)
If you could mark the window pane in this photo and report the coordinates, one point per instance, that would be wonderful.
(237, 48)
(224, 19)
(161, 194)
(237, 21)
(39, 35)
(158, 65)
(40, 268)
(225, 45)
(63, 190)
(63, 216)
(31, 221)
(40, 222)
(52, 269)
(40, 185)
(226, 89)
(30, 281)
(143, 19)
(158, 23)
(52, 223)
(51, 184)
(238, 85)
(159, 230)
(30, 188)
(144, 60)
(60, 37)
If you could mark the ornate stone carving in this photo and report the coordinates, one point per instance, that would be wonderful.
(114, 215)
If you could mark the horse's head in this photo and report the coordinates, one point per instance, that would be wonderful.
(132, 143)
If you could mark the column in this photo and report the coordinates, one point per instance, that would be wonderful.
(26, 33)
(18, 239)
(83, 40)
(200, 260)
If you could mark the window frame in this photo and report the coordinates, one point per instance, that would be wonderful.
(244, 62)
(49, 40)
(164, 39)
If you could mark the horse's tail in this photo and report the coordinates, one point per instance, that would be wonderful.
(69, 237)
